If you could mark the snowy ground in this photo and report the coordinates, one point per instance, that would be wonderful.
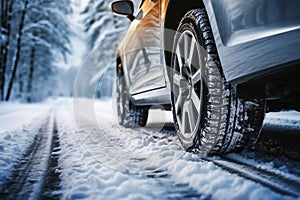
(18, 124)
(105, 161)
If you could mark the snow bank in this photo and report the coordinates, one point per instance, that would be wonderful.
(287, 119)
(14, 115)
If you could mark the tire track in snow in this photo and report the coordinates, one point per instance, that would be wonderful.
(288, 184)
(122, 150)
(280, 185)
(35, 173)
(276, 182)
(284, 185)
(51, 185)
(173, 190)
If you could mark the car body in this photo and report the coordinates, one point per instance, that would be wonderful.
(254, 38)
(257, 41)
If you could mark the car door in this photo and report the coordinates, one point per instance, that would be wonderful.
(142, 52)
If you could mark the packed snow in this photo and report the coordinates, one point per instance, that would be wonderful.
(106, 161)
(18, 126)
(288, 119)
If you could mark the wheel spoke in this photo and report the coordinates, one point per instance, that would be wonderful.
(180, 82)
(196, 77)
(193, 116)
(179, 57)
(192, 50)
(184, 115)
(176, 79)
(196, 101)
(186, 46)
(178, 104)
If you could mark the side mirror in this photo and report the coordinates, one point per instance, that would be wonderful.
(123, 8)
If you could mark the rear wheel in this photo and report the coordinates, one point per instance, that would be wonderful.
(208, 115)
(129, 115)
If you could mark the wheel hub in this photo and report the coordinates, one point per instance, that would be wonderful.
(187, 77)
(190, 89)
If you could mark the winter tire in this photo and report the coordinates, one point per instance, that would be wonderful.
(208, 115)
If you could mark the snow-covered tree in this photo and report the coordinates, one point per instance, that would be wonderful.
(100, 23)
(6, 10)
(105, 31)
(46, 38)
(35, 36)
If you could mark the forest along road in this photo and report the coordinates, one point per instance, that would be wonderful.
(106, 161)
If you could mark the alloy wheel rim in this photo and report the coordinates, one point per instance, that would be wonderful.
(188, 84)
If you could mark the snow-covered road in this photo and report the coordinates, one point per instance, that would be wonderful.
(53, 156)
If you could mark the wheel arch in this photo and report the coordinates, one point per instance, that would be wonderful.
(175, 10)
(121, 68)
(119, 65)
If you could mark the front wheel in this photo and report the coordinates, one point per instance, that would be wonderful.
(208, 115)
